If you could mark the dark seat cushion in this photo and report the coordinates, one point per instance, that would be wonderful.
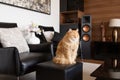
(29, 60)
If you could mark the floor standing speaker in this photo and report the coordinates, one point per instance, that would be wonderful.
(86, 29)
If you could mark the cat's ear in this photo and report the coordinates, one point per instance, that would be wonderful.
(70, 29)
(77, 29)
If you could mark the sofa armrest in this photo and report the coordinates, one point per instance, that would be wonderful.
(10, 61)
(43, 47)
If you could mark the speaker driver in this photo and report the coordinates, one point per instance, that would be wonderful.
(86, 37)
(86, 28)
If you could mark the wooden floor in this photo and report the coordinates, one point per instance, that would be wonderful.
(30, 76)
(90, 61)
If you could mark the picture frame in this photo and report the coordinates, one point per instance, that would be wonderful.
(42, 6)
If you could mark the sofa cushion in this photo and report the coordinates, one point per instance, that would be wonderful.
(12, 37)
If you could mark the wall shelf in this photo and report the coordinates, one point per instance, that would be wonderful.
(70, 16)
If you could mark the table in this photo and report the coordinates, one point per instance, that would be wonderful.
(110, 53)
(102, 50)
(51, 71)
(106, 73)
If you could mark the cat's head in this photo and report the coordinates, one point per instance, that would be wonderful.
(73, 34)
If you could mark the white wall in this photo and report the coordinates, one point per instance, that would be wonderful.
(25, 17)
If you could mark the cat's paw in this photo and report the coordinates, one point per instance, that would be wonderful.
(57, 60)
(73, 62)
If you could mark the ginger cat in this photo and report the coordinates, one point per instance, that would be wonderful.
(66, 52)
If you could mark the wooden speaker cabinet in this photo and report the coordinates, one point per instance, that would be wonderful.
(75, 5)
(70, 5)
(86, 37)
(63, 5)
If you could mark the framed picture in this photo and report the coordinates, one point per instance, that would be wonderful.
(43, 6)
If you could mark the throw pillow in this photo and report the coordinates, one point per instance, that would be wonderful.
(12, 37)
(48, 35)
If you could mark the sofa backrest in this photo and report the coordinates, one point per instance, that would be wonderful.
(47, 28)
(7, 25)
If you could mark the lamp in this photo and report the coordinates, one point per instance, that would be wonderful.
(114, 23)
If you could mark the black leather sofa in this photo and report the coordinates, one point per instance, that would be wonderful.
(13, 63)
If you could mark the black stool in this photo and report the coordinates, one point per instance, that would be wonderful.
(51, 71)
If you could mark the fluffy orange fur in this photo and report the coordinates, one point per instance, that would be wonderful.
(66, 52)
